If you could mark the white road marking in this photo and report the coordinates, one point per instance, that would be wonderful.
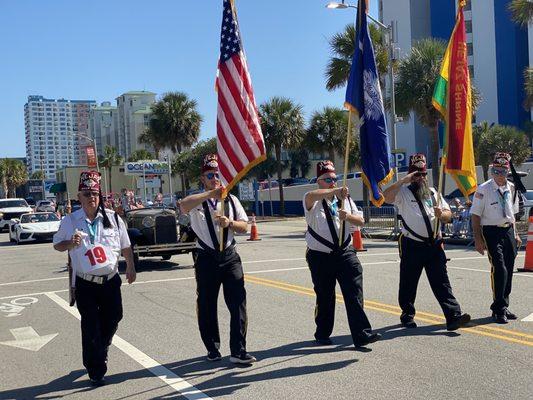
(15, 307)
(180, 385)
(271, 270)
(26, 338)
(32, 281)
(529, 318)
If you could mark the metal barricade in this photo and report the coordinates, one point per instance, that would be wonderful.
(379, 221)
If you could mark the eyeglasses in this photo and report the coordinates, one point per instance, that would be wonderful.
(499, 172)
(329, 180)
(89, 194)
(211, 175)
(421, 174)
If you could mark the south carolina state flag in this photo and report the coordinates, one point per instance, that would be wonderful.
(363, 96)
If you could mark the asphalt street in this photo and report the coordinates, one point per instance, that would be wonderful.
(157, 352)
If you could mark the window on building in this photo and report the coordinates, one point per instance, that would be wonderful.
(468, 26)
(468, 5)
(470, 48)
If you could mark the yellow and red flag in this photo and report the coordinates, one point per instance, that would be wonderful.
(453, 99)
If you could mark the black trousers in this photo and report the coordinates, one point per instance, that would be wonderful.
(414, 257)
(326, 270)
(212, 270)
(100, 307)
(501, 247)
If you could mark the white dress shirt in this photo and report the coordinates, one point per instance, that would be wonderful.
(410, 211)
(492, 207)
(199, 223)
(114, 239)
(316, 219)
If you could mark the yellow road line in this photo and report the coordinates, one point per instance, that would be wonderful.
(395, 310)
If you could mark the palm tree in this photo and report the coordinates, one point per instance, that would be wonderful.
(528, 87)
(499, 138)
(327, 130)
(342, 47)
(417, 75)
(12, 174)
(140, 154)
(109, 159)
(151, 138)
(521, 11)
(282, 123)
(175, 122)
(38, 175)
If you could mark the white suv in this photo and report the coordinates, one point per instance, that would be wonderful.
(10, 209)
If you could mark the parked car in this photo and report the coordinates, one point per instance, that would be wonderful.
(45, 206)
(351, 175)
(296, 181)
(159, 232)
(528, 203)
(33, 227)
(12, 208)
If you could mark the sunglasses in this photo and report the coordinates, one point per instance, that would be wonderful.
(211, 175)
(329, 180)
(89, 194)
(499, 172)
(421, 174)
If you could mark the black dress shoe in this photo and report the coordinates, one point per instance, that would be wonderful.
(458, 322)
(324, 342)
(409, 323)
(97, 382)
(510, 315)
(365, 338)
(499, 318)
(214, 356)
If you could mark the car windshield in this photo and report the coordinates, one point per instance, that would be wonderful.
(33, 218)
(13, 203)
(45, 203)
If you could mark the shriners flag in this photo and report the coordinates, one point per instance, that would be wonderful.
(240, 142)
(363, 96)
(453, 99)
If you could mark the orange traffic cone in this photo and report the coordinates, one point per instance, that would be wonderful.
(254, 235)
(358, 241)
(528, 262)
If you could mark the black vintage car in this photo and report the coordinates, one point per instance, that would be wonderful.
(159, 232)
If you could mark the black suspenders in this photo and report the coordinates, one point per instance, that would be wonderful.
(334, 236)
(425, 216)
(211, 226)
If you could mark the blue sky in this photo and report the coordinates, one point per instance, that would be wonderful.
(99, 49)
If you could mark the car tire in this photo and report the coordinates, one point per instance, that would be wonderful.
(166, 257)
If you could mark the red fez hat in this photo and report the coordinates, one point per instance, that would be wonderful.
(210, 163)
(89, 180)
(324, 167)
(502, 160)
(417, 162)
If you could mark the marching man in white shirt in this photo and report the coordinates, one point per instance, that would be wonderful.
(215, 268)
(493, 221)
(330, 262)
(419, 249)
(95, 238)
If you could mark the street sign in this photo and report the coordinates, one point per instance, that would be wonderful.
(246, 191)
(400, 158)
(148, 167)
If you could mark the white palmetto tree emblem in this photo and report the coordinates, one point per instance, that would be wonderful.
(373, 99)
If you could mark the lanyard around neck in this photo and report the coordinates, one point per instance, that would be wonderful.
(93, 229)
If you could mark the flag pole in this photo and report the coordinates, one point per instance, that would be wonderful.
(220, 229)
(439, 191)
(346, 155)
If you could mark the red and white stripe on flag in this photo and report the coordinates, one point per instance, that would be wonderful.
(240, 142)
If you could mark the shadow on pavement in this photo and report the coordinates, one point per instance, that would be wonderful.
(397, 331)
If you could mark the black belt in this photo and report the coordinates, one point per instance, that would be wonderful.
(216, 252)
(507, 225)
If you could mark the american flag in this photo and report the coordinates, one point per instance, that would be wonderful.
(240, 142)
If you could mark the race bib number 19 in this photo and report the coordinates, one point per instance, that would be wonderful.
(96, 255)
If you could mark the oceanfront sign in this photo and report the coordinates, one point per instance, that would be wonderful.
(148, 167)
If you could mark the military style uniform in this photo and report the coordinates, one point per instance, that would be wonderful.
(419, 249)
(95, 276)
(496, 207)
(330, 262)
